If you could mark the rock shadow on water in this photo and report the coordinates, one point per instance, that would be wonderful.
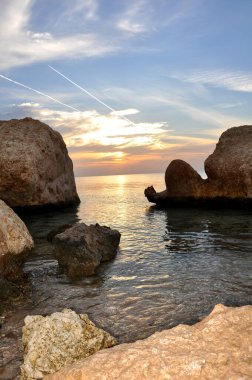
(208, 256)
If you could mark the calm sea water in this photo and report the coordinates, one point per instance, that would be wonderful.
(173, 266)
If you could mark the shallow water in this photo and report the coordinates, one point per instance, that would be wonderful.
(173, 266)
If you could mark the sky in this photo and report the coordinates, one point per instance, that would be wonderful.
(174, 73)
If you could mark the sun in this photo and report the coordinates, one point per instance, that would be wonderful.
(119, 156)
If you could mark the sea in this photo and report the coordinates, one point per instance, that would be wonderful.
(172, 267)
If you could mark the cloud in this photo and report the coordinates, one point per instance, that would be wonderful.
(203, 114)
(107, 144)
(132, 21)
(21, 46)
(78, 29)
(234, 81)
(129, 111)
(28, 104)
(87, 9)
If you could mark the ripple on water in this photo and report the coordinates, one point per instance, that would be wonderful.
(173, 266)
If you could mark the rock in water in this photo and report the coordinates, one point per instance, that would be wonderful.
(229, 168)
(182, 180)
(35, 169)
(60, 339)
(218, 347)
(81, 248)
(15, 243)
(229, 171)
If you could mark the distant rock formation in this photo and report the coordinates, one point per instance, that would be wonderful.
(80, 249)
(15, 243)
(52, 342)
(229, 171)
(35, 169)
(217, 348)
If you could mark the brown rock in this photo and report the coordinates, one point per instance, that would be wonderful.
(218, 347)
(229, 171)
(15, 243)
(35, 168)
(229, 168)
(81, 248)
(58, 230)
(182, 180)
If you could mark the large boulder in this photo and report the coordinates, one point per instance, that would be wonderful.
(35, 169)
(229, 171)
(81, 248)
(218, 347)
(15, 243)
(182, 180)
(229, 168)
(58, 340)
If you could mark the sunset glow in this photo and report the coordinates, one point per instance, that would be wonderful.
(129, 86)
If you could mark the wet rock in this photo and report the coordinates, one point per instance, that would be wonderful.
(15, 243)
(35, 169)
(81, 248)
(57, 230)
(60, 339)
(217, 348)
(8, 290)
(229, 171)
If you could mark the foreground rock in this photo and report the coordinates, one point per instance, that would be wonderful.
(15, 243)
(219, 347)
(55, 341)
(35, 169)
(229, 171)
(81, 248)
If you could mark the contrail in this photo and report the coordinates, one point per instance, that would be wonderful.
(40, 93)
(91, 95)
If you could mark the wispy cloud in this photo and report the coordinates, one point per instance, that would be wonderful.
(88, 9)
(132, 20)
(235, 81)
(21, 46)
(98, 141)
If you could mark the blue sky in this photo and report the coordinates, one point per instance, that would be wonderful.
(181, 71)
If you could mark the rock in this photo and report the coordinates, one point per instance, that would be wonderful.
(81, 248)
(218, 347)
(15, 243)
(182, 180)
(35, 169)
(7, 290)
(57, 230)
(229, 171)
(229, 168)
(60, 339)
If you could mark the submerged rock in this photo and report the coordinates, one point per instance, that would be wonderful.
(81, 248)
(15, 243)
(229, 171)
(60, 339)
(35, 169)
(218, 347)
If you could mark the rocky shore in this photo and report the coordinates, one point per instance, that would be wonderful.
(218, 347)
(36, 172)
(229, 176)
